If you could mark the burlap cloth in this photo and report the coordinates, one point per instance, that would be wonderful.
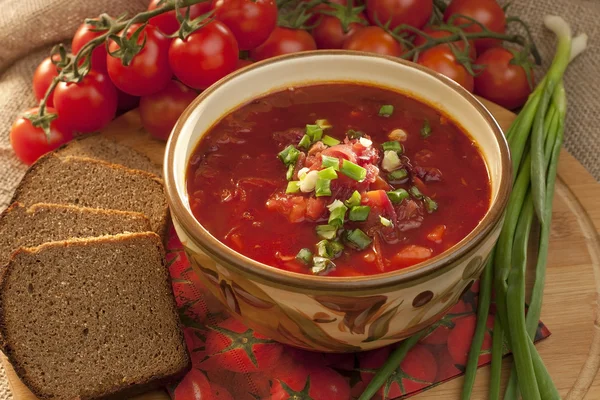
(28, 29)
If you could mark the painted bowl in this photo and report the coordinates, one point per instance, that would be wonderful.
(336, 314)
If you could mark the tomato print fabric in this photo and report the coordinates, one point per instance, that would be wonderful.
(231, 362)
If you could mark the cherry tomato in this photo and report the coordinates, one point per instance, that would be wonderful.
(501, 81)
(442, 60)
(235, 347)
(410, 12)
(194, 386)
(126, 102)
(160, 111)
(322, 383)
(487, 12)
(315, 15)
(30, 143)
(241, 63)
(42, 79)
(149, 70)
(284, 41)
(374, 39)
(250, 21)
(205, 56)
(437, 33)
(89, 105)
(84, 34)
(328, 34)
(167, 22)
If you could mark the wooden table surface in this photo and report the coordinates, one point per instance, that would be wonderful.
(572, 353)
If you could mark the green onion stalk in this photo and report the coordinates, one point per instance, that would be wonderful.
(535, 140)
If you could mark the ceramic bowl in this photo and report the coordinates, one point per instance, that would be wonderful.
(336, 314)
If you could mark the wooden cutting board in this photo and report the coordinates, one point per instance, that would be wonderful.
(571, 311)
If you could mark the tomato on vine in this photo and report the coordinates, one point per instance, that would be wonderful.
(30, 143)
(148, 71)
(329, 32)
(42, 79)
(409, 12)
(441, 59)
(439, 32)
(284, 41)
(486, 12)
(205, 56)
(503, 79)
(159, 111)
(374, 39)
(250, 21)
(168, 23)
(84, 34)
(88, 105)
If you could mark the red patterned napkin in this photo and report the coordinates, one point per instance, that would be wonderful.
(231, 362)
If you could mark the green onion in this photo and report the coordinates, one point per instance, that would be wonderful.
(354, 200)
(290, 172)
(322, 249)
(397, 175)
(352, 134)
(397, 196)
(314, 132)
(430, 205)
(334, 204)
(353, 171)
(335, 248)
(305, 142)
(323, 123)
(305, 256)
(415, 192)
(326, 231)
(332, 162)
(391, 161)
(386, 110)
(327, 173)
(293, 187)
(358, 238)
(289, 155)
(329, 249)
(323, 187)
(321, 264)
(393, 146)
(426, 129)
(337, 215)
(330, 141)
(359, 213)
(385, 222)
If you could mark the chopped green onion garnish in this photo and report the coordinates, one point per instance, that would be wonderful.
(329, 249)
(290, 172)
(323, 123)
(359, 213)
(322, 249)
(353, 171)
(416, 193)
(289, 155)
(386, 110)
(335, 204)
(354, 200)
(397, 196)
(337, 215)
(305, 142)
(426, 129)
(323, 187)
(314, 132)
(390, 161)
(332, 162)
(321, 264)
(430, 205)
(335, 248)
(385, 222)
(293, 187)
(326, 231)
(330, 141)
(398, 175)
(358, 238)
(328, 173)
(393, 146)
(305, 256)
(352, 134)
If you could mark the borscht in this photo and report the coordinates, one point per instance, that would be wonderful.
(338, 179)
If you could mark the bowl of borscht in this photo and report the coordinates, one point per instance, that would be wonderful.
(337, 201)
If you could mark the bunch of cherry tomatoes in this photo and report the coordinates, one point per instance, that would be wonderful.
(162, 69)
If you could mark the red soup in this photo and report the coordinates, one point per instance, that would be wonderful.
(338, 180)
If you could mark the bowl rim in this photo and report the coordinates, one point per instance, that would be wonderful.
(218, 250)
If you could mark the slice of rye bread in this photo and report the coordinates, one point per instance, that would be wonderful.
(105, 149)
(21, 226)
(96, 184)
(92, 318)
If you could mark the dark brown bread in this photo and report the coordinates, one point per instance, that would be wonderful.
(97, 184)
(91, 318)
(21, 226)
(101, 148)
